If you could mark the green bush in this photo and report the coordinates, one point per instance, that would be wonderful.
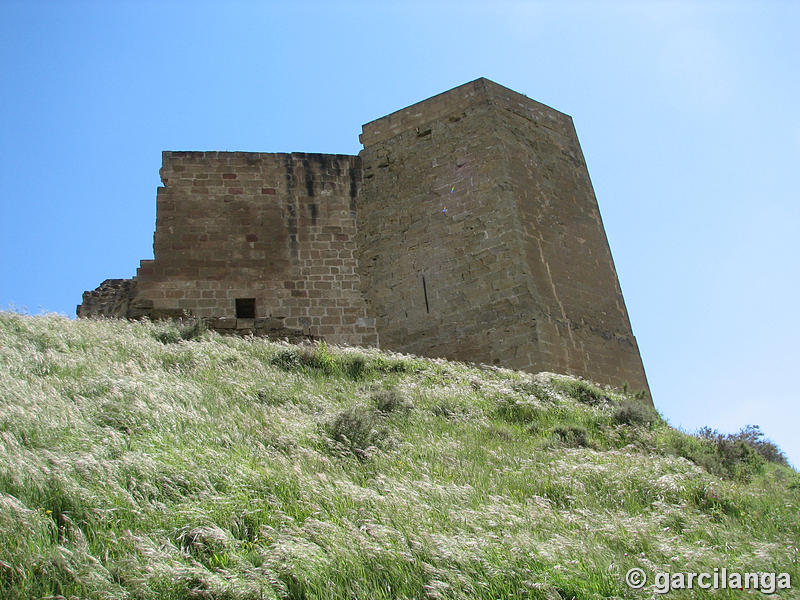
(306, 359)
(581, 391)
(699, 451)
(635, 412)
(742, 454)
(288, 360)
(513, 411)
(752, 436)
(571, 436)
(356, 429)
(387, 401)
(737, 456)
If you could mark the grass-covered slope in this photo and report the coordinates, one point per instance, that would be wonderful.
(151, 461)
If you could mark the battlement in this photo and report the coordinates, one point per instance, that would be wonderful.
(467, 228)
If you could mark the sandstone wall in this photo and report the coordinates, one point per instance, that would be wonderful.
(112, 298)
(517, 270)
(582, 323)
(441, 262)
(275, 228)
(467, 228)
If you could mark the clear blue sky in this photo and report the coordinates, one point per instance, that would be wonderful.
(687, 113)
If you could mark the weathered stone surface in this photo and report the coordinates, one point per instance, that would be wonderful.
(485, 195)
(112, 298)
(224, 323)
(467, 228)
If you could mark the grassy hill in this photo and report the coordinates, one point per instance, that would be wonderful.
(157, 460)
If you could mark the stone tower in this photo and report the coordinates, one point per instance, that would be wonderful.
(480, 238)
(467, 228)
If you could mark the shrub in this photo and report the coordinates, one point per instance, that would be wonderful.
(168, 336)
(754, 437)
(572, 437)
(581, 391)
(514, 411)
(356, 429)
(743, 453)
(355, 368)
(288, 360)
(635, 412)
(734, 455)
(387, 401)
(700, 451)
(305, 359)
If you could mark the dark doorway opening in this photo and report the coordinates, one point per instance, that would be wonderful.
(245, 308)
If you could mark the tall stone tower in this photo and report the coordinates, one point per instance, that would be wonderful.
(467, 228)
(480, 239)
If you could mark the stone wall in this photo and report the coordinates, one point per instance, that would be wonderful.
(439, 256)
(581, 319)
(467, 228)
(276, 229)
(582, 323)
(486, 196)
(112, 298)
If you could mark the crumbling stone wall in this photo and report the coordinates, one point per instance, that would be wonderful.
(467, 228)
(112, 298)
(276, 229)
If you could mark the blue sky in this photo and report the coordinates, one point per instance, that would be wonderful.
(686, 112)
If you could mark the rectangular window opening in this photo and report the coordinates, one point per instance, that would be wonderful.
(245, 308)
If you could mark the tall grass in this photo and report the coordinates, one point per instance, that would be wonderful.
(153, 460)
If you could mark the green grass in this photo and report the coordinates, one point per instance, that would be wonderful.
(160, 460)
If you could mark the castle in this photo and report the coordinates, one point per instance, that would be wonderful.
(467, 228)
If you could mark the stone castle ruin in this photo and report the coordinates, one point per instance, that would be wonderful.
(467, 228)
